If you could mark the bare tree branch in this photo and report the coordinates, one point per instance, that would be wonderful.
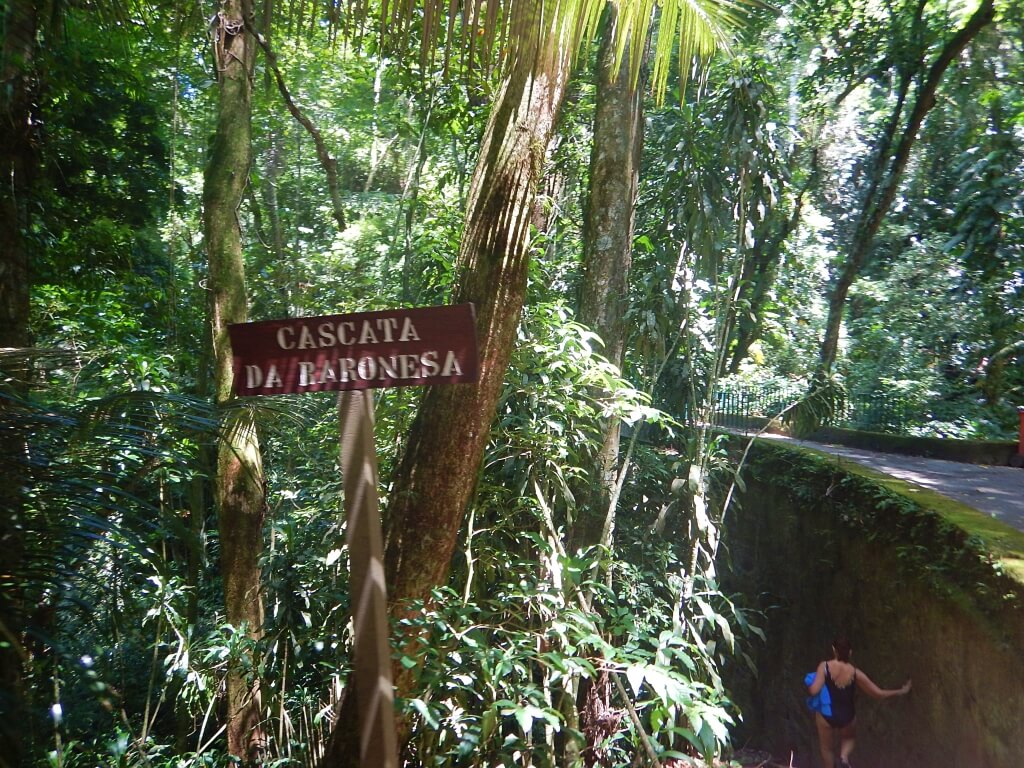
(328, 163)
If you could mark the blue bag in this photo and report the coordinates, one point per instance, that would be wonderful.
(821, 701)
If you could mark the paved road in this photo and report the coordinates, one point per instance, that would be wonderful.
(996, 491)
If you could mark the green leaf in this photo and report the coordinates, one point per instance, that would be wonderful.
(635, 675)
(424, 711)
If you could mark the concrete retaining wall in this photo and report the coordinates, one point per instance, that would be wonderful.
(828, 552)
(998, 453)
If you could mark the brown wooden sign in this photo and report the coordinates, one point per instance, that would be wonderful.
(366, 350)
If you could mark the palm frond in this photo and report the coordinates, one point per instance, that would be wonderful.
(487, 33)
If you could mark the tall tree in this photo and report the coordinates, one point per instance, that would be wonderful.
(436, 477)
(18, 158)
(438, 471)
(604, 289)
(608, 251)
(18, 161)
(988, 193)
(915, 87)
(239, 485)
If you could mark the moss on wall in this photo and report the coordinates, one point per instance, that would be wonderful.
(999, 453)
(923, 586)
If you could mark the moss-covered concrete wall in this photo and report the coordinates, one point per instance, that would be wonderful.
(999, 453)
(924, 588)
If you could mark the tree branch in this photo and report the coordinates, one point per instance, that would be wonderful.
(328, 163)
(922, 105)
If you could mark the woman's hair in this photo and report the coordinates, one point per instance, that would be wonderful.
(842, 648)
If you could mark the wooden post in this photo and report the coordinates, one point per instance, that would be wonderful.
(353, 353)
(374, 689)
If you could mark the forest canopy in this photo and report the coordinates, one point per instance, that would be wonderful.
(657, 210)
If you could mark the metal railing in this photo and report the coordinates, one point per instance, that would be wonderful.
(735, 406)
(868, 411)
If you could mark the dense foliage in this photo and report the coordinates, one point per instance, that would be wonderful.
(532, 653)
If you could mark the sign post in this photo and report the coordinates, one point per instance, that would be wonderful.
(350, 354)
(374, 690)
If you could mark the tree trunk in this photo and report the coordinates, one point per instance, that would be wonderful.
(885, 174)
(760, 270)
(608, 254)
(284, 278)
(436, 477)
(604, 300)
(18, 162)
(238, 487)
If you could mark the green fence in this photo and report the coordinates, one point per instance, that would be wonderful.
(734, 406)
(868, 411)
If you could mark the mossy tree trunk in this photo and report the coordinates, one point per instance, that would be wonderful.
(436, 477)
(759, 276)
(603, 304)
(18, 162)
(608, 254)
(239, 487)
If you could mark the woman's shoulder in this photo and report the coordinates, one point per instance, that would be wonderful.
(842, 670)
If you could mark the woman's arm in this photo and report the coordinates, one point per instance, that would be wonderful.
(819, 680)
(865, 684)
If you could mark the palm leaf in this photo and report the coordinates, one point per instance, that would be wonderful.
(487, 33)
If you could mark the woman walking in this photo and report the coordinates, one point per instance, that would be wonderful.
(842, 679)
